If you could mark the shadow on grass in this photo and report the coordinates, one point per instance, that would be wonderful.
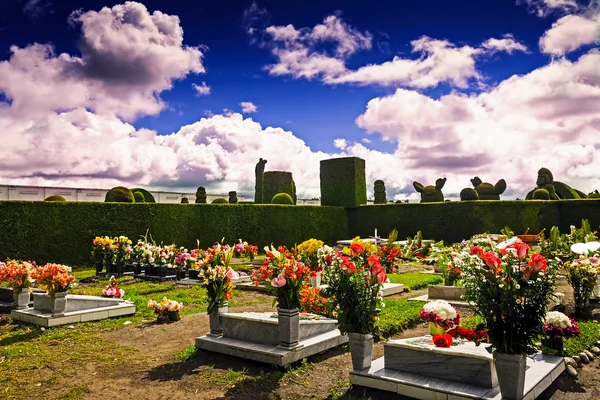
(565, 383)
(21, 337)
(241, 378)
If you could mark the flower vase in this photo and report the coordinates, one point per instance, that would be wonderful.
(99, 267)
(361, 350)
(21, 297)
(58, 303)
(289, 327)
(216, 320)
(596, 290)
(435, 329)
(174, 316)
(163, 318)
(194, 274)
(510, 369)
(553, 346)
(316, 280)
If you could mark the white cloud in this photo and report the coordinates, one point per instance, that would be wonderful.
(303, 53)
(340, 143)
(128, 56)
(545, 7)
(248, 107)
(201, 90)
(366, 140)
(570, 33)
(507, 44)
(548, 117)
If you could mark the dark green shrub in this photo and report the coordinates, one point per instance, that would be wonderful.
(139, 197)
(259, 171)
(487, 191)
(119, 194)
(557, 190)
(594, 195)
(201, 195)
(343, 182)
(63, 232)
(56, 198)
(275, 182)
(379, 189)
(431, 194)
(219, 200)
(148, 197)
(468, 194)
(185, 200)
(282, 198)
(541, 194)
(233, 197)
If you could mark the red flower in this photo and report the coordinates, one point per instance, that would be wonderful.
(478, 251)
(538, 262)
(491, 260)
(356, 249)
(372, 260)
(521, 248)
(442, 340)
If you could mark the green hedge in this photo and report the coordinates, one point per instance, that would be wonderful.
(343, 182)
(455, 221)
(275, 182)
(63, 232)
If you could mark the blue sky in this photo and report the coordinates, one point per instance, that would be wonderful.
(315, 110)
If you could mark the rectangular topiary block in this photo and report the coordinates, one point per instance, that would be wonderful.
(343, 182)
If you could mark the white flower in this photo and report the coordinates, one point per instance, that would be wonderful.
(557, 319)
(441, 308)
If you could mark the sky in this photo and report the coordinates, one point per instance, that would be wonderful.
(174, 95)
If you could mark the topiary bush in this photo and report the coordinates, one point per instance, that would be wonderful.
(343, 182)
(431, 194)
(487, 191)
(594, 195)
(139, 197)
(282, 198)
(185, 200)
(468, 194)
(148, 197)
(219, 200)
(201, 195)
(55, 197)
(379, 189)
(119, 194)
(541, 194)
(275, 182)
(233, 197)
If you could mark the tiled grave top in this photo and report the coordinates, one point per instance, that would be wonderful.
(424, 343)
(271, 318)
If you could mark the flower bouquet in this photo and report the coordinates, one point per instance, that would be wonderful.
(510, 289)
(245, 250)
(582, 274)
(53, 278)
(112, 290)
(217, 275)
(18, 275)
(557, 326)
(167, 310)
(285, 277)
(308, 255)
(100, 251)
(441, 316)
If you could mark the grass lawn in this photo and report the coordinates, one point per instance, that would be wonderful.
(416, 280)
(398, 315)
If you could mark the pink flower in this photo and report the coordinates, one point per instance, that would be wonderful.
(279, 281)
(231, 274)
(521, 248)
(373, 259)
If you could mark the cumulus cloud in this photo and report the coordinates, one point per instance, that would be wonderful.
(571, 32)
(507, 44)
(201, 90)
(248, 107)
(321, 53)
(548, 117)
(128, 56)
(340, 143)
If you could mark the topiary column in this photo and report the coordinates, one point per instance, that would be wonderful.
(233, 197)
(275, 182)
(258, 186)
(379, 188)
(343, 182)
(201, 195)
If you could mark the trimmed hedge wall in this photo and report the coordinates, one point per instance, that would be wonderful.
(63, 232)
(455, 221)
(343, 182)
(275, 182)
